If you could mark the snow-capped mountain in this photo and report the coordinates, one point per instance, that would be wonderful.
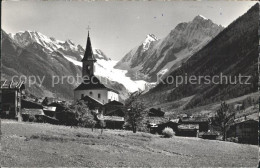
(164, 55)
(69, 56)
(233, 52)
(132, 59)
(147, 42)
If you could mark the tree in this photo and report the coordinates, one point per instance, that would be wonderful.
(83, 115)
(135, 111)
(45, 102)
(223, 118)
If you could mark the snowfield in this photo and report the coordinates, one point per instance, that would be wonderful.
(106, 69)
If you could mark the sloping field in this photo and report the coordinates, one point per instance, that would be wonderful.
(34, 144)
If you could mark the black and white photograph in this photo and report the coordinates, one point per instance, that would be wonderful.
(129, 83)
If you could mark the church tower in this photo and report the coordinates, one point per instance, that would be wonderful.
(88, 60)
(91, 89)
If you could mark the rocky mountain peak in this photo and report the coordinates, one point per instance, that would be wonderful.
(148, 40)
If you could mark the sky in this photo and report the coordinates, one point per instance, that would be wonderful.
(116, 26)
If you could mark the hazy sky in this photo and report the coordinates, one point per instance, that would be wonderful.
(116, 27)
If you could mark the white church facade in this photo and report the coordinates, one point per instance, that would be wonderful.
(91, 86)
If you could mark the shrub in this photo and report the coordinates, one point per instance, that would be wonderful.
(168, 132)
(32, 118)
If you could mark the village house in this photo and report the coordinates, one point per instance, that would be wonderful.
(187, 126)
(245, 129)
(92, 103)
(188, 130)
(114, 108)
(156, 112)
(202, 122)
(113, 114)
(91, 85)
(11, 95)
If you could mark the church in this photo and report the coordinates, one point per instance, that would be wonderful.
(91, 87)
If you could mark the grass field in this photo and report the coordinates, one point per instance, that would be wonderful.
(34, 144)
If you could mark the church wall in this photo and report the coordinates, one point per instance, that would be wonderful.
(103, 94)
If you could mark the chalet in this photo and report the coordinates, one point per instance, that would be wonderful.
(158, 128)
(93, 104)
(202, 122)
(212, 135)
(112, 122)
(238, 106)
(188, 130)
(114, 108)
(32, 114)
(49, 100)
(156, 112)
(11, 95)
(31, 111)
(50, 111)
(245, 129)
(59, 112)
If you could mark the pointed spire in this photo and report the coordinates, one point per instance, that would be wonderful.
(88, 56)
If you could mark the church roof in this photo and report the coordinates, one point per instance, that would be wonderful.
(93, 83)
(88, 56)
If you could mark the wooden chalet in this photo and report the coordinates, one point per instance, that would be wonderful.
(31, 114)
(114, 108)
(156, 112)
(212, 135)
(202, 122)
(245, 129)
(11, 95)
(188, 130)
(112, 122)
(157, 125)
(92, 103)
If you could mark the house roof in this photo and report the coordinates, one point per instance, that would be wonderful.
(188, 126)
(12, 85)
(110, 118)
(32, 111)
(241, 119)
(88, 98)
(194, 120)
(120, 111)
(176, 120)
(30, 105)
(158, 120)
(114, 103)
(49, 108)
(210, 133)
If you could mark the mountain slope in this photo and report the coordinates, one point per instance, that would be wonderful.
(19, 61)
(170, 52)
(34, 54)
(232, 52)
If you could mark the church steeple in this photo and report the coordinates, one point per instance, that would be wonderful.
(88, 60)
(88, 52)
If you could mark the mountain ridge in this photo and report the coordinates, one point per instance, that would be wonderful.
(233, 52)
(50, 56)
(164, 54)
